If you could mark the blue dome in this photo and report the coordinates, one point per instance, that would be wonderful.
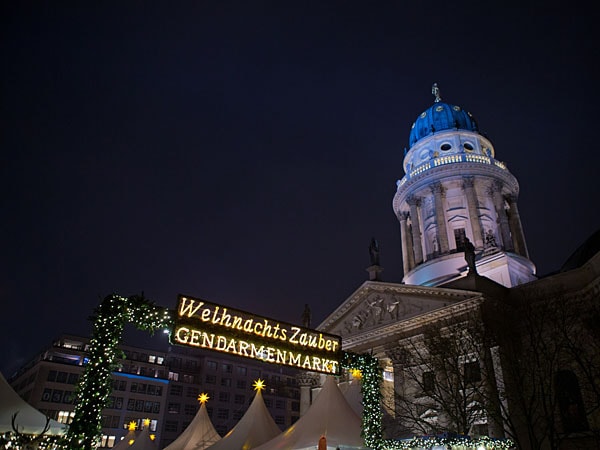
(441, 116)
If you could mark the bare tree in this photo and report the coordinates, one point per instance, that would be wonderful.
(547, 346)
(443, 381)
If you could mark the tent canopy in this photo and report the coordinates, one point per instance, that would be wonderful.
(199, 434)
(28, 420)
(254, 428)
(331, 416)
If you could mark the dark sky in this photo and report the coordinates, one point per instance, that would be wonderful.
(246, 152)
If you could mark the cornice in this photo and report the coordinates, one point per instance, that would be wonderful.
(385, 332)
(455, 170)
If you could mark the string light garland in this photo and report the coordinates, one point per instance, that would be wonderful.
(463, 442)
(95, 385)
(371, 376)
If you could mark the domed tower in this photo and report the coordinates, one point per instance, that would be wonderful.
(456, 194)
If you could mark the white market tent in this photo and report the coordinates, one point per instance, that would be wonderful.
(28, 419)
(353, 395)
(126, 442)
(137, 440)
(330, 415)
(254, 428)
(199, 434)
(144, 441)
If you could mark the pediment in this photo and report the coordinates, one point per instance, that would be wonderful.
(376, 305)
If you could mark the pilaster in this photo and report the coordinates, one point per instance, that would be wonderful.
(473, 209)
(440, 217)
(414, 203)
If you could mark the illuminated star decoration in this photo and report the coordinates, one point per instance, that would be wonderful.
(132, 426)
(203, 398)
(356, 373)
(152, 437)
(259, 385)
(146, 422)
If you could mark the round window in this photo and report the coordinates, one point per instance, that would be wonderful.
(468, 147)
(446, 147)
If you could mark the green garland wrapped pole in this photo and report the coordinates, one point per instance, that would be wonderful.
(95, 385)
(371, 392)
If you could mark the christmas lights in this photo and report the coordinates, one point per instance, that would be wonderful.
(95, 385)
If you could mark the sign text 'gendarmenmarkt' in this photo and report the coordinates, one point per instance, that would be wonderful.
(203, 324)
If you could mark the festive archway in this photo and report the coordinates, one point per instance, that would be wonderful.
(95, 386)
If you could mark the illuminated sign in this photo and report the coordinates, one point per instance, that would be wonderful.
(202, 324)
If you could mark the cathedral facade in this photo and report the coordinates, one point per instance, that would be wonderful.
(471, 341)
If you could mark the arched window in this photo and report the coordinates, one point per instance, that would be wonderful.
(570, 403)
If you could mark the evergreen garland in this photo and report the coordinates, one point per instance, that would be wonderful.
(95, 386)
(370, 388)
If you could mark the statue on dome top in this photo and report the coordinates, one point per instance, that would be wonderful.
(435, 90)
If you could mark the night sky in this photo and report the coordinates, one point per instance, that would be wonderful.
(247, 152)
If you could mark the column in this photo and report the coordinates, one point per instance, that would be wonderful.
(404, 237)
(440, 218)
(398, 358)
(496, 426)
(473, 209)
(516, 227)
(413, 203)
(306, 380)
(502, 218)
(411, 253)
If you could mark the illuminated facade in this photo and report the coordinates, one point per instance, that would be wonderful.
(455, 189)
(455, 339)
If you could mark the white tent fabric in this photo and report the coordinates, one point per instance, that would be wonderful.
(199, 434)
(28, 419)
(352, 394)
(125, 443)
(254, 428)
(331, 416)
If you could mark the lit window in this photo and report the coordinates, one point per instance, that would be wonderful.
(65, 416)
